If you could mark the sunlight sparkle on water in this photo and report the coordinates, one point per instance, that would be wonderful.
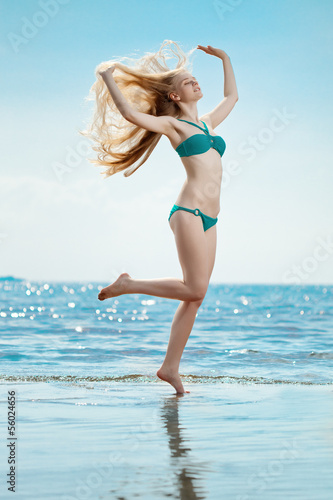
(149, 302)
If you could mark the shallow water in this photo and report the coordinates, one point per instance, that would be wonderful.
(105, 440)
(256, 333)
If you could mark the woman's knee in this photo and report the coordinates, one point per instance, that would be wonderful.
(195, 303)
(198, 293)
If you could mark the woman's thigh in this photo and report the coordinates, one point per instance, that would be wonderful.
(192, 249)
(211, 238)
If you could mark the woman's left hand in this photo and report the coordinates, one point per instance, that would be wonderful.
(213, 51)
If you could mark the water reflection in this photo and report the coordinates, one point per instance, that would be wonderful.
(189, 472)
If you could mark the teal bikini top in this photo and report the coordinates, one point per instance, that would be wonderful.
(200, 143)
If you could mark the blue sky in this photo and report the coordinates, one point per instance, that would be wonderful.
(275, 223)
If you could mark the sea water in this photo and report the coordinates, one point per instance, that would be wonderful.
(92, 420)
(265, 333)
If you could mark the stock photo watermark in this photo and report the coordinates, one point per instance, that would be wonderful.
(31, 27)
(250, 148)
(12, 440)
(73, 158)
(272, 471)
(276, 124)
(225, 7)
(87, 488)
(299, 273)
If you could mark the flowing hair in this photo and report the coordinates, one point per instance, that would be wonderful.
(145, 84)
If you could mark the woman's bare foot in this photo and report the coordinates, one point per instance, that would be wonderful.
(116, 288)
(172, 377)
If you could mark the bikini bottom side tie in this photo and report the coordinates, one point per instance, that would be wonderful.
(207, 221)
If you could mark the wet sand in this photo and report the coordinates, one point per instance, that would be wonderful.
(109, 440)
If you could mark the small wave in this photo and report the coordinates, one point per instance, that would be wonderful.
(321, 355)
(244, 351)
(196, 379)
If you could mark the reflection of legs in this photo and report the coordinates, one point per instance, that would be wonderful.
(183, 321)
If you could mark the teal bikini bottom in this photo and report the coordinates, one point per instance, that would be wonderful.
(206, 220)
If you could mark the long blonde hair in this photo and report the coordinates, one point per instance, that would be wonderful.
(145, 85)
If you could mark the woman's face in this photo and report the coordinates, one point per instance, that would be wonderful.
(187, 88)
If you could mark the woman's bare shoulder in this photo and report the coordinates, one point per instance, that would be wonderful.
(175, 122)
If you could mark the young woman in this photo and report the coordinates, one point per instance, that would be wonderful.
(149, 100)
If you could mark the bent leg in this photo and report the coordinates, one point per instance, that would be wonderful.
(192, 252)
(182, 324)
(169, 288)
(191, 242)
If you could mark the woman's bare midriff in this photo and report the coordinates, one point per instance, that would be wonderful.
(202, 187)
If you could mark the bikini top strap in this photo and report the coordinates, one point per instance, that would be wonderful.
(205, 126)
(203, 129)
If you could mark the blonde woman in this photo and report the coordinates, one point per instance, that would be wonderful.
(135, 107)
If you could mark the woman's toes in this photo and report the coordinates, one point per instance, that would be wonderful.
(116, 288)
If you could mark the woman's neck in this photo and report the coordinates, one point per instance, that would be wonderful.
(190, 113)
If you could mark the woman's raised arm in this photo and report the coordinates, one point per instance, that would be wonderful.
(218, 114)
(158, 124)
(117, 96)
